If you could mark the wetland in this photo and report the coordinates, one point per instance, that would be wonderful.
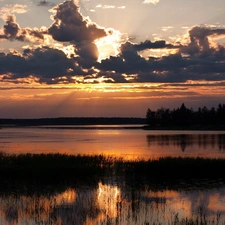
(111, 175)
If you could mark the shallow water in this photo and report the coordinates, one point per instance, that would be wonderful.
(111, 203)
(128, 143)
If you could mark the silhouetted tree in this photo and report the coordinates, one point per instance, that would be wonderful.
(151, 117)
(183, 116)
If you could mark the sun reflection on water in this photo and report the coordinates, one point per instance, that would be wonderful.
(111, 203)
(67, 197)
(108, 197)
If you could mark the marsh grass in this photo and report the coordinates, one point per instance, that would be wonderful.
(63, 168)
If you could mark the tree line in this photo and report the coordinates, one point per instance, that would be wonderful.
(72, 121)
(183, 116)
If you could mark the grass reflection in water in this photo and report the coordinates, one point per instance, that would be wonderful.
(110, 204)
(62, 189)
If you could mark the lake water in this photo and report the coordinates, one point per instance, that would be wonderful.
(114, 204)
(128, 143)
(112, 201)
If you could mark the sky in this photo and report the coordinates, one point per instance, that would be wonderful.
(109, 58)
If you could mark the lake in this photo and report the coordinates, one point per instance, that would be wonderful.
(112, 200)
(128, 143)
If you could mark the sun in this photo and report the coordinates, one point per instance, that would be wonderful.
(110, 45)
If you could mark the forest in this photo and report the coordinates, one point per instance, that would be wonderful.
(187, 117)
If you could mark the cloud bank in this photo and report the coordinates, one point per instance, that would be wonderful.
(201, 58)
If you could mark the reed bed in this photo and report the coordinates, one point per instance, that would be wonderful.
(62, 168)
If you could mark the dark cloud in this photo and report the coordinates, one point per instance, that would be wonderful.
(47, 64)
(12, 31)
(172, 68)
(153, 45)
(11, 28)
(69, 25)
(130, 62)
(199, 39)
(31, 35)
(204, 62)
(88, 54)
(44, 3)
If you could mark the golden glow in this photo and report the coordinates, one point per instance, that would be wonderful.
(160, 72)
(67, 197)
(100, 80)
(108, 197)
(130, 77)
(157, 52)
(30, 86)
(216, 203)
(68, 50)
(101, 99)
(109, 45)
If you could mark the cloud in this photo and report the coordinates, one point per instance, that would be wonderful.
(11, 28)
(151, 1)
(167, 28)
(44, 3)
(130, 62)
(70, 25)
(121, 7)
(12, 31)
(201, 58)
(203, 61)
(88, 54)
(46, 64)
(11, 9)
(199, 39)
(106, 6)
(153, 45)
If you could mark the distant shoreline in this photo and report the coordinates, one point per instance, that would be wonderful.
(74, 121)
(191, 127)
(101, 123)
(112, 127)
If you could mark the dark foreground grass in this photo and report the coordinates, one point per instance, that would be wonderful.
(63, 168)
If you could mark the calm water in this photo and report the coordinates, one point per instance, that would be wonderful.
(113, 202)
(128, 143)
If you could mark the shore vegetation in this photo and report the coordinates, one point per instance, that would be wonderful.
(63, 168)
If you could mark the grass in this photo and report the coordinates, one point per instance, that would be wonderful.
(63, 168)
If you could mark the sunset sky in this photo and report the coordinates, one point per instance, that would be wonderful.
(109, 58)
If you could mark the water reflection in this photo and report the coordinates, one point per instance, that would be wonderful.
(184, 141)
(127, 143)
(113, 204)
